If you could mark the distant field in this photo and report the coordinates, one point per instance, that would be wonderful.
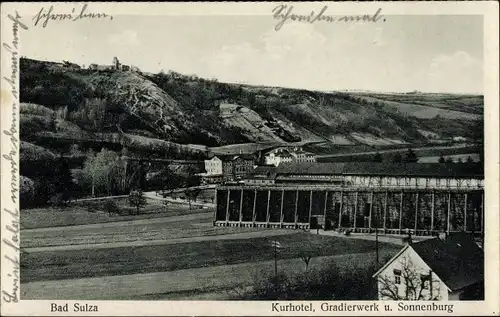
(244, 148)
(363, 156)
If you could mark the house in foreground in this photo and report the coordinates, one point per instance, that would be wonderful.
(448, 268)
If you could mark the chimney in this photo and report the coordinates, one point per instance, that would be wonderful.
(408, 239)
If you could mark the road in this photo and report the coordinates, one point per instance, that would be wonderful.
(400, 150)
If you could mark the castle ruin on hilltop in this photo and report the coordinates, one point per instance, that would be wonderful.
(115, 66)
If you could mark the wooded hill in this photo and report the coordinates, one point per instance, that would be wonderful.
(62, 106)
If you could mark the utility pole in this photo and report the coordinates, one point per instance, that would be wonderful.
(376, 240)
(276, 262)
(276, 244)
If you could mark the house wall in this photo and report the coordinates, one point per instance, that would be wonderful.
(418, 266)
(213, 166)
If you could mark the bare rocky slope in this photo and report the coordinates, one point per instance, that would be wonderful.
(80, 104)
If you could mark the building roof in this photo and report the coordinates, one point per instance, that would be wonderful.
(384, 169)
(227, 158)
(283, 153)
(267, 171)
(457, 260)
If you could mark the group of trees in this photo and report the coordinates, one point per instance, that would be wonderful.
(449, 160)
(409, 157)
(104, 172)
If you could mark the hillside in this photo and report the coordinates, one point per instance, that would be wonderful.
(62, 105)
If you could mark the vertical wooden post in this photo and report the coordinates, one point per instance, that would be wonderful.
(227, 206)
(296, 207)
(401, 214)
(482, 215)
(370, 214)
(324, 212)
(268, 199)
(340, 211)
(416, 212)
(254, 205)
(465, 212)
(216, 206)
(448, 215)
(432, 210)
(281, 210)
(385, 208)
(310, 206)
(241, 206)
(355, 209)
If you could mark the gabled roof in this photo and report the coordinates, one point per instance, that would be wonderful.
(227, 158)
(262, 172)
(458, 261)
(385, 169)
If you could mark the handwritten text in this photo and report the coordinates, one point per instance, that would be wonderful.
(283, 13)
(45, 15)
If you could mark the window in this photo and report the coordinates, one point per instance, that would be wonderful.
(397, 277)
(425, 280)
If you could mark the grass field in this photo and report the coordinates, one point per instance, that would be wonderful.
(222, 259)
(124, 261)
(165, 228)
(203, 283)
(78, 214)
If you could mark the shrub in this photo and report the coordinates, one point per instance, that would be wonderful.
(110, 207)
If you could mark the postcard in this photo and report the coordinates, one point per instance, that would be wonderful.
(249, 159)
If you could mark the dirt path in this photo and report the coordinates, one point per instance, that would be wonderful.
(164, 285)
(140, 243)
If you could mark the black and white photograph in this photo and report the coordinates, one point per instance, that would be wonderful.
(300, 154)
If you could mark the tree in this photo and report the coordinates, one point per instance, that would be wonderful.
(136, 199)
(105, 171)
(397, 158)
(27, 190)
(442, 159)
(460, 160)
(306, 256)
(470, 160)
(191, 195)
(409, 284)
(63, 182)
(449, 160)
(410, 156)
(165, 204)
(377, 157)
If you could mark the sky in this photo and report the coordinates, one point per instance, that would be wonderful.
(428, 53)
